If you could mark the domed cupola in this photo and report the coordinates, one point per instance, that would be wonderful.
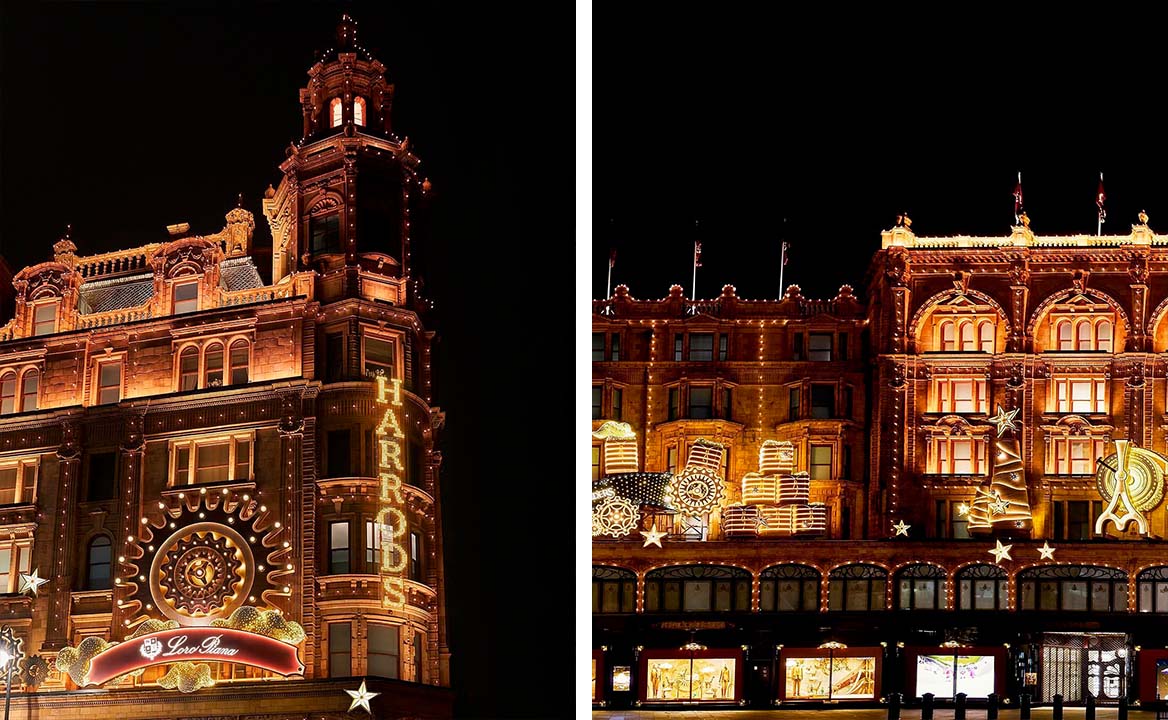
(347, 89)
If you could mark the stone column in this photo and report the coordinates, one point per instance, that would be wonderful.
(132, 457)
(68, 468)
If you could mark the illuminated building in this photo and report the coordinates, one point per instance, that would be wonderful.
(1011, 382)
(186, 450)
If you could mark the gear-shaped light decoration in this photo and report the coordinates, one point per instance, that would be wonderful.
(201, 555)
(614, 516)
(696, 491)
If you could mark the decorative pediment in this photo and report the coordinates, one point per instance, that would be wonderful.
(949, 425)
(188, 256)
(48, 279)
(1077, 425)
(325, 204)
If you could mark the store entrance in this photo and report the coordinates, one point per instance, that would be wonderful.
(1075, 664)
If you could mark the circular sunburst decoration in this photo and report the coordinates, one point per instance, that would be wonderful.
(614, 516)
(696, 491)
(200, 557)
(1145, 478)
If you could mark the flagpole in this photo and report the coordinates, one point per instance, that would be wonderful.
(694, 285)
(782, 267)
(608, 287)
(1099, 214)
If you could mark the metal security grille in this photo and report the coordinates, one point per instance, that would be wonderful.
(1076, 664)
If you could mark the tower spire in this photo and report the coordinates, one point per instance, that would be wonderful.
(346, 33)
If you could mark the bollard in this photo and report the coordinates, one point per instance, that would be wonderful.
(1122, 708)
(1024, 706)
(992, 707)
(959, 707)
(894, 706)
(1056, 708)
(1089, 707)
(927, 706)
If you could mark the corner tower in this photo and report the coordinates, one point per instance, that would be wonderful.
(343, 206)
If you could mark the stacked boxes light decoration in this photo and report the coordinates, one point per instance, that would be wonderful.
(775, 500)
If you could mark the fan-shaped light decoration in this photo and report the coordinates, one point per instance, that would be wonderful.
(776, 457)
(1131, 480)
(794, 489)
(614, 516)
(741, 521)
(620, 447)
(758, 488)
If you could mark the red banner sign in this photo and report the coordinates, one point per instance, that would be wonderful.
(195, 643)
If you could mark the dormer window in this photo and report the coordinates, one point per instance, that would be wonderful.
(186, 297)
(359, 111)
(335, 111)
(44, 320)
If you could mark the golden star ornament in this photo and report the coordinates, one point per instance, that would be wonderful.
(1001, 552)
(31, 583)
(361, 698)
(901, 528)
(652, 537)
(1005, 420)
(1046, 552)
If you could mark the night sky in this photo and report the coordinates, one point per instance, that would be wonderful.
(124, 118)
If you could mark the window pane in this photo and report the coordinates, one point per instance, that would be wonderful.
(1074, 595)
(239, 363)
(701, 346)
(29, 388)
(697, 595)
(597, 347)
(188, 370)
(359, 111)
(383, 651)
(340, 649)
(378, 356)
(822, 401)
(212, 462)
(110, 383)
(8, 478)
(820, 462)
(819, 346)
(597, 397)
(100, 559)
(213, 360)
(45, 319)
(186, 297)
(242, 460)
(857, 595)
(701, 403)
(338, 548)
(8, 394)
(326, 233)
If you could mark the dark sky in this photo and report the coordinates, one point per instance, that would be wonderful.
(122, 118)
(836, 121)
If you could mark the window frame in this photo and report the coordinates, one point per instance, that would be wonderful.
(333, 565)
(90, 564)
(35, 322)
(812, 351)
(22, 465)
(915, 574)
(99, 390)
(944, 463)
(336, 113)
(174, 298)
(397, 350)
(19, 560)
(370, 651)
(944, 394)
(855, 573)
(192, 444)
(359, 110)
(1063, 394)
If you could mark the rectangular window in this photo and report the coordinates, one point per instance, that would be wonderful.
(238, 368)
(338, 548)
(595, 463)
(8, 394)
(822, 401)
(1078, 520)
(419, 657)
(820, 462)
(677, 340)
(617, 401)
(1081, 395)
(188, 370)
(415, 557)
(378, 357)
(597, 347)
(819, 347)
(339, 449)
(727, 404)
(334, 352)
(674, 403)
(102, 476)
(326, 233)
(701, 346)
(45, 319)
(213, 462)
(671, 458)
(597, 402)
(15, 558)
(797, 346)
(959, 521)
(958, 456)
(723, 347)
(109, 382)
(848, 409)
(701, 403)
(843, 346)
(340, 648)
(383, 651)
(9, 484)
(372, 546)
(186, 297)
(1073, 455)
(215, 459)
(960, 395)
(615, 354)
(793, 403)
(846, 462)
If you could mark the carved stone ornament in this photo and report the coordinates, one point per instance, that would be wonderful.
(1137, 270)
(1020, 272)
(326, 203)
(135, 438)
(1017, 376)
(961, 282)
(896, 267)
(1079, 280)
(70, 447)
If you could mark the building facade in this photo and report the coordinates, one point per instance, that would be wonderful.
(186, 448)
(1005, 516)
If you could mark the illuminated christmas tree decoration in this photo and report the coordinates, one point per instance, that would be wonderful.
(1005, 501)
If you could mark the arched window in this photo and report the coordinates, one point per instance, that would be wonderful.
(1153, 587)
(1072, 587)
(1064, 335)
(982, 587)
(1083, 336)
(614, 590)
(1103, 336)
(965, 333)
(29, 389)
(857, 587)
(213, 365)
(335, 111)
(948, 336)
(985, 336)
(188, 369)
(697, 588)
(921, 587)
(100, 562)
(789, 588)
(237, 371)
(359, 110)
(8, 393)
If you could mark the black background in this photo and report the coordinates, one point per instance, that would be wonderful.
(124, 118)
